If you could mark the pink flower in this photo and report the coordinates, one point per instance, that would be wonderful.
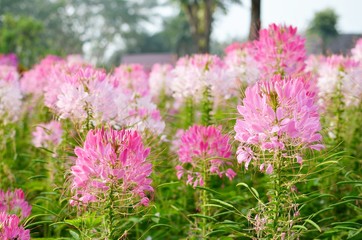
(357, 50)
(208, 144)
(241, 64)
(36, 79)
(9, 59)
(132, 78)
(280, 50)
(10, 228)
(47, 134)
(277, 115)
(192, 75)
(159, 80)
(13, 202)
(111, 158)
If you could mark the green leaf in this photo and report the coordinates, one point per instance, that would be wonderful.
(314, 224)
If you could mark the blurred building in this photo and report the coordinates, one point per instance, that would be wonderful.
(341, 44)
(148, 59)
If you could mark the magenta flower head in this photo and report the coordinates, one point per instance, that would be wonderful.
(200, 145)
(111, 160)
(13, 202)
(9, 59)
(280, 50)
(10, 228)
(47, 134)
(278, 115)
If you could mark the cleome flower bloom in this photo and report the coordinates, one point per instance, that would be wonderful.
(192, 75)
(357, 51)
(280, 50)
(111, 159)
(277, 115)
(10, 228)
(9, 59)
(241, 63)
(10, 94)
(339, 73)
(47, 134)
(201, 145)
(13, 202)
(132, 78)
(159, 80)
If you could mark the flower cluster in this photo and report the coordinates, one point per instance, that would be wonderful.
(48, 135)
(13, 209)
(204, 146)
(357, 51)
(192, 75)
(160, 80)
(13, 202)
(132, 78)
(111, 160)
(36, 79)
(278, 115)
(338, 74)
(11, 228)
(241, 63)
(280, 50)
(9, 59)
(10, 94)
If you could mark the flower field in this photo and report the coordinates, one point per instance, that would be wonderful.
(262, 143)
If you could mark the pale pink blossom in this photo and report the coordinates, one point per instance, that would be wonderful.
(111, 159)
(34, 80)
(10, 94)
(13, 202)
(160, 80)
(357, 51)
(47, 135)
(132, 78)
(192, 75)
(9, 59)
(204, 145)
(339, 73)
(241, 64)
(277, 115)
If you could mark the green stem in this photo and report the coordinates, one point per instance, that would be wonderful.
(204, 199)
(189, 112)
(110, 213)
(206, 107)
(277, 192)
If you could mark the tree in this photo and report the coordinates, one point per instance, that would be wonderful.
(58, 32)
(324, 25)
(255, 22)
(22, 36)
(200, 16)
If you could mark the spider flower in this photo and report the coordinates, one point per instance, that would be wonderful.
(277, 115)
(192, 75)
(132, 78)
(9, 59)
(10, 228)
(357, 51)
(36, 79)
(241, 64)
(47, 134)
(10, 94)
(13, 202)
(280, 50)
(339, 73)
(159, 80)
(111, 160)
(202, 145)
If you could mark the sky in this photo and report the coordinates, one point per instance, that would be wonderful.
(235, 24)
